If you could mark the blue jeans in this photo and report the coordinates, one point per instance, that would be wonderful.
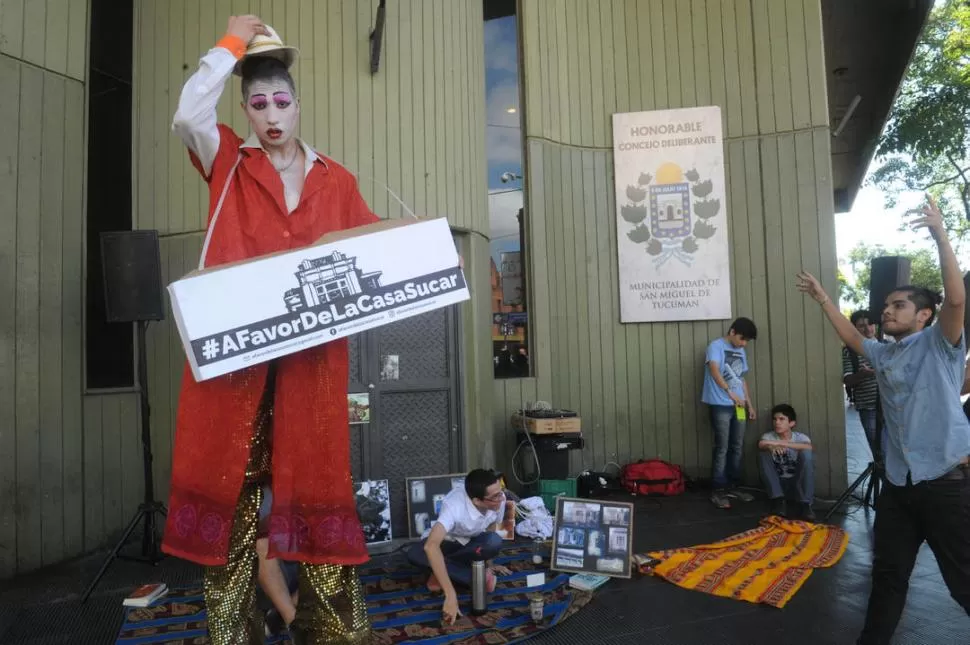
(800, 487)
(459, 557)
(868, 420)
(728, 445)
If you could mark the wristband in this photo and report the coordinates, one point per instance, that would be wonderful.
(235, 45)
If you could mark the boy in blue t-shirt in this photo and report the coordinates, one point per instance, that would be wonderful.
(726, 392)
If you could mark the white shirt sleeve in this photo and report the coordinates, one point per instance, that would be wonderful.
(195, 119)
(446, 517)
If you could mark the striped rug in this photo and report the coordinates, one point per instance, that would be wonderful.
(401, 608)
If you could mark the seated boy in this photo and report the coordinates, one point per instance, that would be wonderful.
(464, 532)
(786, 463)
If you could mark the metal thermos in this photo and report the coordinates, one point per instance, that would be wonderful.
(479, 590)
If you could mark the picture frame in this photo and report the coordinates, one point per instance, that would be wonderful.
(593, 536)
(424, 495)
(373, 500)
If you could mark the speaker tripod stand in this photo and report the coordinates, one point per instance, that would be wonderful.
(150, 544)
(874, 473)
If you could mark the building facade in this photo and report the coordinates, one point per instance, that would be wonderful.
(70, 467)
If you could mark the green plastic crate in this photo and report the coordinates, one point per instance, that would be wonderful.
(550, 489)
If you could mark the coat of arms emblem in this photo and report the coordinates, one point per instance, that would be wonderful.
(679, 208)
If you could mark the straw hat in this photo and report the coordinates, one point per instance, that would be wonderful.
(271, 46)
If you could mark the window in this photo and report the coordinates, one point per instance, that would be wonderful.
(337, 289)
(110, 353)
(503, 146)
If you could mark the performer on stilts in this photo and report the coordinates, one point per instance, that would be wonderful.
(283, 424)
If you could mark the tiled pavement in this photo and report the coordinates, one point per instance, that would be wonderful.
(43, 608)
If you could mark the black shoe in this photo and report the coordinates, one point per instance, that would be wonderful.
(274, 623)
(807, 513)
(778, 507)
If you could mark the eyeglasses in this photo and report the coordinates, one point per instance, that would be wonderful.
(496, 497)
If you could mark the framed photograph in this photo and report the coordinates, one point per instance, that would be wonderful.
(373, 501)
(569, 558)
(417, 491)
(616, 516)
(618, 539)
(572, 537)
(581, 513)
(593, 537)
(610, 565)
(358, 408)
(424, 498)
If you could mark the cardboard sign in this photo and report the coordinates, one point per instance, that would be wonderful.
(250, 312)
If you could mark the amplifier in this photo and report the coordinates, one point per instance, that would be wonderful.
(554, 442)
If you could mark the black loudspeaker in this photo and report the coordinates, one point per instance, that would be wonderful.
(131, 268)
(885, 274)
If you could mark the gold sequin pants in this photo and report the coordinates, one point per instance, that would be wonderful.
(331, 606)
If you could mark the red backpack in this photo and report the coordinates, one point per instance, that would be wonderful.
(654, 477)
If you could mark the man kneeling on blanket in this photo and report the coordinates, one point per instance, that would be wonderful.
(464, 531)
(786, 464)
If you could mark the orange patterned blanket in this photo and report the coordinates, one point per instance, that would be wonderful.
(765, 565)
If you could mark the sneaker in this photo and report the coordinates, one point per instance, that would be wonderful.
(807, 513)
(433, 584)
(740, 494)
(778, 507)
(721, 501)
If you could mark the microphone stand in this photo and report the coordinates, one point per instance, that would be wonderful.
(874, 472)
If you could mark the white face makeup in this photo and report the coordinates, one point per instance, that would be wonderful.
(273, 112)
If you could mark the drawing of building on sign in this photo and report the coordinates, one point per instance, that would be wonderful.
(328, 278)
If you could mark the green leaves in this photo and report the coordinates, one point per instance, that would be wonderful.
(707, 209)
(633, 214)
(635, 194)
(924, 272)
(703, 188)
(928, 133)
(703, 230)
(639, 234)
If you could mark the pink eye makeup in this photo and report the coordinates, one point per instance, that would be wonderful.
(258, 101)
(282, 99)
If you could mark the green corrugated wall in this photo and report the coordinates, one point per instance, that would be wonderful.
(637, 386)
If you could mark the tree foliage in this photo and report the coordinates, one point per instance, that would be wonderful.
(924, 271)
(925, 145)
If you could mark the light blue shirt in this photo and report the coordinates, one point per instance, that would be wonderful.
(733, 365)
(927, 432)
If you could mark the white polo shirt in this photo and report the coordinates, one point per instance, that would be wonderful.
(461, 519)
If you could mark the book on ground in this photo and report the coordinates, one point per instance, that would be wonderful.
(145, 595)
(587, 581)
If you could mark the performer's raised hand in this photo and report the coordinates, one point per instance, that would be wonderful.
(929, 217)
(809, 284)
(246, 27)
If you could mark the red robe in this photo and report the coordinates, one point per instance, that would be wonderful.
(313, 518)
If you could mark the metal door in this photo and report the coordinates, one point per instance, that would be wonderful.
(412, 371)
(358, 384)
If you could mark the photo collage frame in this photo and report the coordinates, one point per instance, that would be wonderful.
(593, 536)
